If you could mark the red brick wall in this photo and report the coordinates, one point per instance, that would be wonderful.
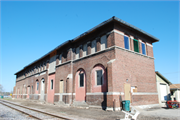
(149, 51)
(144, 99)
(110, 40)
(139, 71)
(88, 63)
(119, 40)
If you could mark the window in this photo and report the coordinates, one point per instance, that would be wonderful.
(32, 90)
(60, 58)
(81, 80)
(42, 67)
(143, 48)
(172, 92)
(93, 46)
(35, 69)
(45, 66)
(126, 42)
(103, 42)
(37, 85)
(99, 77)
(51, 84)
(77, 53)
(136, 45)
(84, 50)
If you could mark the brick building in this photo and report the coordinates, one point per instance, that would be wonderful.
(103, 66)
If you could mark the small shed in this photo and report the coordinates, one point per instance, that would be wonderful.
(175, 92)
(163, 89)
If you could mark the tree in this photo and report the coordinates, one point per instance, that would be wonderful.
(1, 89)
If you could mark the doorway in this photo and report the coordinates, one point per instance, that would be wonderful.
(42, 89)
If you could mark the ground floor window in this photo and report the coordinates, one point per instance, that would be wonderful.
(81, 80)
(51, 84)
(99, 77)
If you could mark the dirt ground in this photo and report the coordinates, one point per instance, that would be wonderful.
(99, 114)
(75, 113)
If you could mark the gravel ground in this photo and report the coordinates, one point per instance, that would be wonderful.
(33, 113)
(7, 113)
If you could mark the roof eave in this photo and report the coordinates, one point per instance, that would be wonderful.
(166, 80)
(136, 28)
(44, 56)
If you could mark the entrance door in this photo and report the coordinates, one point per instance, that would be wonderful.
(50, 88)
(61, 89)
(127, 91)
(42, 90)
(28, 92)
(163, 91)
(80, 86)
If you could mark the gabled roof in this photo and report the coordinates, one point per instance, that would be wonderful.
(175, 86)
(119, 21)
(161, 76)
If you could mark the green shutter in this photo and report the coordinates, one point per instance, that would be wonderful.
(136, 45)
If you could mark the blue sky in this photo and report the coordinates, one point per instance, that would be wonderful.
(31, 29)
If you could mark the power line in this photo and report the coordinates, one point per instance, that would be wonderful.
(171, 72)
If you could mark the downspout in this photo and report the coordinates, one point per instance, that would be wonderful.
(72, 53)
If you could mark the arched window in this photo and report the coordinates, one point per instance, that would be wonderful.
(98, 78)
(32, 89)
(51, 84)
(37, 84)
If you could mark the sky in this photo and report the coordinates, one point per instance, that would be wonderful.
(30, 29)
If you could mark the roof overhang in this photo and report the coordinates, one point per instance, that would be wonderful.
(160, 75)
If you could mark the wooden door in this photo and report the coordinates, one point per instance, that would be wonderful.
(127, 91)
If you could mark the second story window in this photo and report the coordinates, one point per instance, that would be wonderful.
(136, 45)
(60, 58)
(84, 50)
(143, 48)
(103, 42)
(93, 46)
(77, 52)
(126, 42)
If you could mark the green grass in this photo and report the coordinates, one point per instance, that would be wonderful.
(6, 98)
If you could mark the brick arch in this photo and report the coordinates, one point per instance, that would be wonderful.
(94, 86)
(80, 90)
